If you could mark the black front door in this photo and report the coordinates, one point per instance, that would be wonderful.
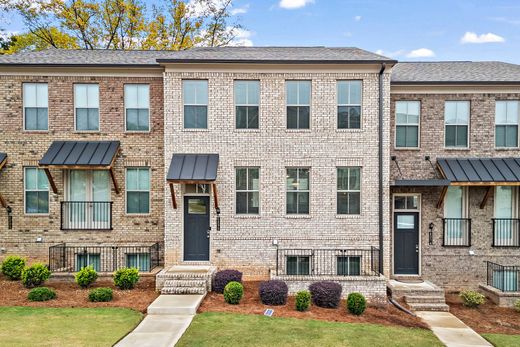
(196, 228)
(406, 243)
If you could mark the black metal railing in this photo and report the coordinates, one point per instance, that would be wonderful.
(86, 215)
(506, 232)
(504, 278)
(327, 262)
(71, 258)
(456, 232)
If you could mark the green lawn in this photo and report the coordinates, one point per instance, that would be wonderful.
(225, 329)
(501, 340)
(29, 326)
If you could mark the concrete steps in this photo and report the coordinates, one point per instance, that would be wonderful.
(183, 280)
(183, 290)
(424, 299)
(429, 307)
(423, 296)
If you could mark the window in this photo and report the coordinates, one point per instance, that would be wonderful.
(456, 119)
(349, 104)
(506, 123)
(406, 202)
(36, 191)
(247, 100)
(407, 116)
(195, 97)
(506, 226)
(137, 190)
(506, 280)
(298, 101)
(349, 190)
(298, 265)
(297, 191)
(88, 259)
(137, 107)
(35, 106)
(247, 190)
(196, 188)
(349, 266)
(86, 101)
(141, 261)
(456, 226)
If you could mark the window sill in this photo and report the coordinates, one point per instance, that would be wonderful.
(195, 130)
(457, 149)
(137, 215)
(36, 131)
(506, 148)
(298, 130)
(247, 216)
(87, 131)
(348, 216)
(350, 130)
(407, 148)
(298, 216)
(36, 214)
(137, 132)
(246, 130)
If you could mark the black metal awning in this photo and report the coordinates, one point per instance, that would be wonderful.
(422, 183)
(3, 161)
(480, 171)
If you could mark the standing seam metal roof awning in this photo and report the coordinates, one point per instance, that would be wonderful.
(480, 171)
(193, 168)
(88, 154)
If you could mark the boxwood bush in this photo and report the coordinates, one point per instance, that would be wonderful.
(303, 300)
(41, 294)
(356, 303)
(273, 292)
(325, 294)
(517, 305)
(471, 298)
(12, 267)
(100, 295)
(222, 278)
(233, 293)
(86, 276)
(126, 278)
(35, 275)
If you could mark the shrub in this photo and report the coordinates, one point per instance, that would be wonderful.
(325, 294)
(126, 278)
(471, 298)
(41, 294)
(356, 303)
(86, 276)
(35, 275)
(233, 293)
(303, 300)
(222, 278)
(100, 295)
(517, 305)
(273, 292)
(12, 267)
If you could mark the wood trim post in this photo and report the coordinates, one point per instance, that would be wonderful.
(172, 192)
(114, 180)
(489, 191)
(2, 201)
(440, 203)
(215, 195)
(51, 180)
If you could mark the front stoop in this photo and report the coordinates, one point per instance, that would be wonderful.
(424, 296)
(185, 279)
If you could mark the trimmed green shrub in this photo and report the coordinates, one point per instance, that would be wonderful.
(356, 303)
(12, 267)
(233, 292)
(222, 278)
(35, 275)
(41, 294)
(325, 294)
(100, 295)
(517, 306)
(471, 298)
(86, 276)
(303, 300)
(273, 292)
(126, 278)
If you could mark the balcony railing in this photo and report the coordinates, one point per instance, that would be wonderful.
(506, 232)
(71, 258)
(504, 278)
(327, 262)
(86, 215)
(456, 232)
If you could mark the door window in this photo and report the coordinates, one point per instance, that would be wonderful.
(405, 222)
(197, 206)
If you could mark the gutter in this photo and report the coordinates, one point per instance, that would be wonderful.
(381, 234)
(270, 61)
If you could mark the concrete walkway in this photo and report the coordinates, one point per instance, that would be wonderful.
(451, 330)
(168, 318)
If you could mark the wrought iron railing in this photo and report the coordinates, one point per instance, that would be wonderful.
(504, 278)
(86, 215)
(506, 232)
(71, 258)
(327, 262)
(456, 232)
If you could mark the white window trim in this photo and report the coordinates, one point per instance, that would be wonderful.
(515, 202)
(468, 132)
(23, 108)
(350, 191)
(75, 108)
(149, 191)
(287, 104)
(397, 148)
(33, 190)
(149, 110)
(500, 148)
(185, 104)
(350, 104)
(296, 215)
(248, 190)
(248, 104)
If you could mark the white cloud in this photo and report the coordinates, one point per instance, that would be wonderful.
(293, 4)
(242, 38)
(357, 18)
(471, 37)
(239, 10)
(421, 53)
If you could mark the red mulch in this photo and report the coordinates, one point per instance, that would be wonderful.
(487, 318)
(251, 304)
(69, 294)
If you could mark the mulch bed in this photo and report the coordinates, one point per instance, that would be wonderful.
(487, 318)
(251, 304)
(70, 294)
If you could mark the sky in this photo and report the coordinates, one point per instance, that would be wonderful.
(406, 30)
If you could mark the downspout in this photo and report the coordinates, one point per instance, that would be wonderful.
(381, 120)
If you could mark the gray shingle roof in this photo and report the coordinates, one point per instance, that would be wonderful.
(456, 72)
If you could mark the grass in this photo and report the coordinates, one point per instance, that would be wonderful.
(502, 340)
(29, 326)
(226, 329)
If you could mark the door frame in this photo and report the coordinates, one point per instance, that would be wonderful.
(394, 211)
(184, 194)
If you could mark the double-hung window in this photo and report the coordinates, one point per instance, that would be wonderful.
(137, 190)
(349, 190)
(36, 191)
(298, 100)
(298, 265)
(349, 104)
(247, 100)
(456, 120)
(137, 107)
(506, 123)
(298, 187)
(407, 116)
(195, 98)
(35, 106)
(247, 190)
(349, 265)
(86, 103)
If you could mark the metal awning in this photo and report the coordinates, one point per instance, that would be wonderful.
(480, 171)
(422, 183)
(3, 161)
